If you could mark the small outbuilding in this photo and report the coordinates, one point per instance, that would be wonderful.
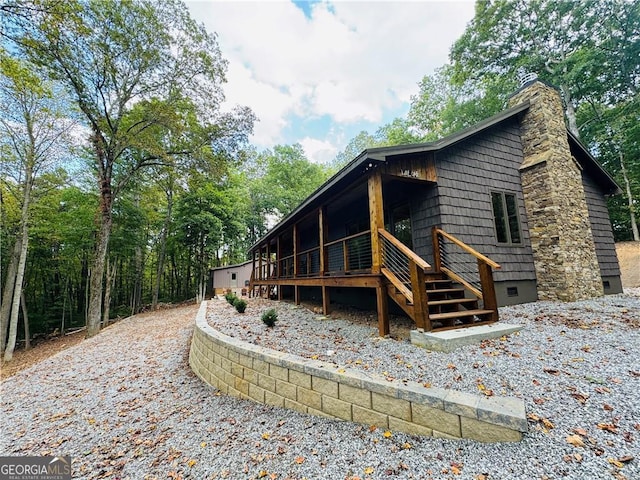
(232, 277)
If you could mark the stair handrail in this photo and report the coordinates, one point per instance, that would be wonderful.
(405, 250)
(487, 293)
(467, 248)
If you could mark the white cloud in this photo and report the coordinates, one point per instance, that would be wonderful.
(353, 61)
(318, 151)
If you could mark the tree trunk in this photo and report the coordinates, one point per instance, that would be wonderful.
(94, 313)
(163, 248)
(7, 294)
(570, 111)
(17, 291)
(627, 186)
(25, 319)
(111, 276)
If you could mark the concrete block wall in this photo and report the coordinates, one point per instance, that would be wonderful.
(266, 376)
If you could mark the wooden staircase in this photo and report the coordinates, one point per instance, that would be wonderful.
(450, 305)
(438, 298)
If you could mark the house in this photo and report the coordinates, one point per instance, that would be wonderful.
(511, 210)
(232, 277)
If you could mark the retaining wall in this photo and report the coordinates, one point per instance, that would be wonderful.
(248, 371)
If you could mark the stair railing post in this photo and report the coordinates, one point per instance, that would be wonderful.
(437, 261)
(419, 290)
(488, 289)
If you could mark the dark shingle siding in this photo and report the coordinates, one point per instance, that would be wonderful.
(467, 174)
(601, 228)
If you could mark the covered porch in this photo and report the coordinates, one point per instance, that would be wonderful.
(357, 231)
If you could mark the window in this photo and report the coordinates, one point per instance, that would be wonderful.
(233, 276)
(505, 215)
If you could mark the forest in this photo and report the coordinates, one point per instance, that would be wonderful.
(123, 181)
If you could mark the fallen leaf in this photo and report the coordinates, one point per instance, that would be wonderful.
(578, 457)
(387, 434)
(203, 444)
(607, 407)
(368, 470)
(299, 460)
(580, 397)
(547, 423)
(451, 366)
(481, 476)
(406, 446)
(626, 459)
(191, 463)
(373, 428)
(427, 385)
(539, 401)
(609, 427)
(602, 390)
(262, 474)
(580, 431)
(575, 440)
(266, 436)
(616, 381)
(615, 462)
(634, 374)
(551, 371)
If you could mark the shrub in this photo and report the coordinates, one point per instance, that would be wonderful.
(270, 317)
(240, 305)
(230, 297)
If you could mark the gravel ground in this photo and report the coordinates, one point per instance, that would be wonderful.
(125, 404)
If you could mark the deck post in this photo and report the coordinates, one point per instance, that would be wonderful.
(488, 290)
(376, 219)
(383, 311)
(296, 294)
(326, 300)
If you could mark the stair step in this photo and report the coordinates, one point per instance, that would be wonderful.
(460, 314)
(443, 291)
(452, 301)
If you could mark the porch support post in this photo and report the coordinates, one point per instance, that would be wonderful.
(488, 290)
(296, 244)
(322, 228)
(268, 268)
(278, 266)
(376, 219)
(383, 310)
(253, 273)
(326, 300)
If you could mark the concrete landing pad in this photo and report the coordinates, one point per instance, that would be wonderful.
(449, 340)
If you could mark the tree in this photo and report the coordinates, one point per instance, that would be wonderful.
(590, 50)
(130, 67)
(288, 179)
(33, 128)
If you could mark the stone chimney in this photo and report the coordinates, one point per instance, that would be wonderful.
(564, 251)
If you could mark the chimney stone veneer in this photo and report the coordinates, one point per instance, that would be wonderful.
(561, 238)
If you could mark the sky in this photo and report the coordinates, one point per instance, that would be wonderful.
(319, 72)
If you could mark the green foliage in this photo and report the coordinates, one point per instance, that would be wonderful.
(241, 305)
(230, 297)
(279, 181)
(270, 317)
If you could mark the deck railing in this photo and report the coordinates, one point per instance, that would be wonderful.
(456, 259)
(349, 254)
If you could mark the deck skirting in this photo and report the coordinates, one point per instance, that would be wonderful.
(252, 372)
